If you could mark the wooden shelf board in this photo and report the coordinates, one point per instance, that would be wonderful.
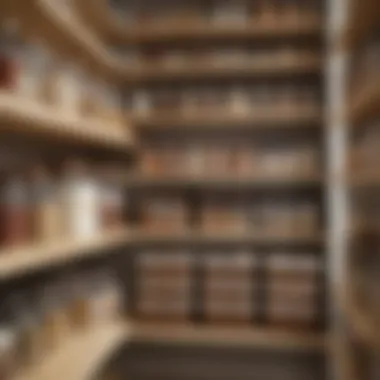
(141, 237)
(67, 35)
(228, 337)
(100, 16)
(207, 71)
(30, 118)
(82, 356)
(365, 102)
(225, 182)
(215, 120)
(364, 180)
(15, 262)
(363, 19)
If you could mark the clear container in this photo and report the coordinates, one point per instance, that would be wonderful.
(45, 206)
(56, 315)
(69, 89)
(8, 346)
(106, 297)
(11, 49)
(15, 211)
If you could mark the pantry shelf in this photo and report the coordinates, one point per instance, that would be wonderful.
(65, 31)
(364, 327)
(215, 120)
(239, 337)
(363, 20)
(365, 102)
(31, 118)
(273, 67)
(100, 16)
(226, 182)
(15, 262)
(82, 356)
(228, 237)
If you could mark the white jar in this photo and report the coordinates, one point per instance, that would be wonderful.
(81, 204)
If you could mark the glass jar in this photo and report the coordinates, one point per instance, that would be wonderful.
(10, 54)
(106, 298)
(45, 206)
(8, 346)
(15, 211)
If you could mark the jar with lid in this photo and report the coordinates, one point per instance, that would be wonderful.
(79, 288)
(15, 210)
(112, 105)
(80, 201)
(33, 63)
(142, 103)
(232, 13)
(69, 88)
(45, 206)
(106, 297)
(55, 315)
(111, 205)
(8, 364)
(10, 49)
(27, 324)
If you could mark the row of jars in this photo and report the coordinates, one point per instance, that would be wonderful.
(40, 206)
(171, 214)
(264, 12)
(232, 57)
(37, 321)
(232, 285)
(40, 77)
(236, 99)
(230, 160)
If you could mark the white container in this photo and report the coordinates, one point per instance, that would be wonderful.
(81, 205)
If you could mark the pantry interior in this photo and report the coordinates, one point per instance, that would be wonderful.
(186, 189)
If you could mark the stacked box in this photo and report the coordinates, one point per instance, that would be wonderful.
(229, 287)
(293, 288)
(163, 285)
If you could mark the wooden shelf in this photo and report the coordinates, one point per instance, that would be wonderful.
(208, 71)
(31, 119)
(82, 356)
(215, 120)
(19, 261)
(67, 35)
(228, 337)
(365, 102)
(225, 182)
(99, 15)
(365, 180)
(226, 238)
(363, 20)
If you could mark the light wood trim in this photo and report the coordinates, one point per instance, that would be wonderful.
(32, 118)
(82, 356)
(229, 337)
(18, 261)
